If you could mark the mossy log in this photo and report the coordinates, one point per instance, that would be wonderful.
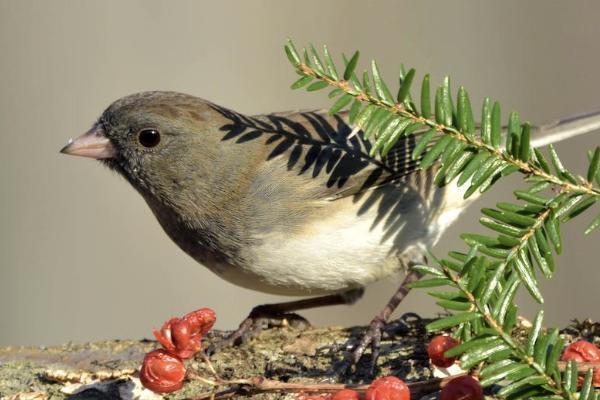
(107, 370)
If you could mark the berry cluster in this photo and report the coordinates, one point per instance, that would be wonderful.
(463, 387)
(163, 370)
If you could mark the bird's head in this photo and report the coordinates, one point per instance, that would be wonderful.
(158, 140)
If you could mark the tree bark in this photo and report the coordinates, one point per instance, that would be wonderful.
(284, 354)
(107, 370)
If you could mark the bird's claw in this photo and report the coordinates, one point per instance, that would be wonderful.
(256, 322)
(371, 338)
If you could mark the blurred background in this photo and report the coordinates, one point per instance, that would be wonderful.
(81, 256)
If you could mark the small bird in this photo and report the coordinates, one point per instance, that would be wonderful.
(283, 203)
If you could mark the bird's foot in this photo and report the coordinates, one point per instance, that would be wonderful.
(371, 338)
(260, 318)
(281, 315)
(378, 329)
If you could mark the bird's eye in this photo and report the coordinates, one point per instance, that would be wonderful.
(149, 137)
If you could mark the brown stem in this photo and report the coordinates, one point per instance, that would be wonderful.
(250, 386)
(260, 385)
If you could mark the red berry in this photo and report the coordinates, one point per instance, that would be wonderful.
(346, 394)
(462, 388)
(182, 336)
(436, 349)
(177, 338)
(201, 321)
(162, 372)
(181, 333)
(583, 351)
(388, 388)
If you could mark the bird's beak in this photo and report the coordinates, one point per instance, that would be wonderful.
(93, 144)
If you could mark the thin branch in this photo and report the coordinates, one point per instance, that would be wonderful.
(256, 385)
(399, 109)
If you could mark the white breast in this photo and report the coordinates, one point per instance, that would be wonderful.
(348, 247)
(337, 253)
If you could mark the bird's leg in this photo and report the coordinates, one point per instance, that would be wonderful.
(280, 314)
(372, 336)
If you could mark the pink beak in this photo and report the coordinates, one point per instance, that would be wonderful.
(93, 144)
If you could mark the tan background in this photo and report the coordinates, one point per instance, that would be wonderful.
(81, 256)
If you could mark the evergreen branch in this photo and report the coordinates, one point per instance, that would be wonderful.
(486, 279)
(518, 350)
(450, 139)
(382, 99)
(490, 300)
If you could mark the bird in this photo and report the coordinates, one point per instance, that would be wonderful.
(287, 203)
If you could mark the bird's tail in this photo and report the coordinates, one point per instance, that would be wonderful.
(565, 128)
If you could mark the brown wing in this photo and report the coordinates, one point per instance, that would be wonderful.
(314, 143)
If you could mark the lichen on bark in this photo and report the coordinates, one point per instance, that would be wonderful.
(284, 354)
